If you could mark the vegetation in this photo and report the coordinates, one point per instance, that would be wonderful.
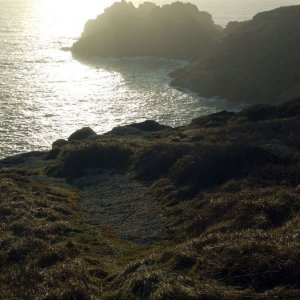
(228, 186)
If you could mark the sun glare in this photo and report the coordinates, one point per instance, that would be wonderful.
(69, 16)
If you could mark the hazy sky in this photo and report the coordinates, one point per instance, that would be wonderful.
(222, 11)
(226, 10)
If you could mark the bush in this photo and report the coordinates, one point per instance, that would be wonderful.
(158, 159)
(262, 112)
(255, 113)
(214, 120)
(218, 163)
(76, 161)
(257, 259)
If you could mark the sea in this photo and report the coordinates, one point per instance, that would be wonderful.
(47, 93)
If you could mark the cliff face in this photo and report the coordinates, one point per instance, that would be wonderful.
(177, 31)
(256, 61)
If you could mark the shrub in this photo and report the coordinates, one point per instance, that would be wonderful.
(262, 112)
(76, 161)
(218, 163)
(214, 120)
(259, 112)
(156, 161)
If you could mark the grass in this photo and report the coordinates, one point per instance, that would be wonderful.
(48, 250)
(228, 185)
(95, 156)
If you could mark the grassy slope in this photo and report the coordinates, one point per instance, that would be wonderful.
(47, 248)
(229, 186)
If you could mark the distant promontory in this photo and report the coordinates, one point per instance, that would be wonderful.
(255, 61)
(177, 30)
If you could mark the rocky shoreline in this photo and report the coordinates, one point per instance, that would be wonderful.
(255, 61)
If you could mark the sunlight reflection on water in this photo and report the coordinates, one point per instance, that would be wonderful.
(46, 94)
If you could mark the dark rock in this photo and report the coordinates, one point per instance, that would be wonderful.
(59, 143)
(130, 131)
(22, 158)
(214, 120)
(256, 61)
(177, 30)
(149, 125)
(52, 154)
(82, 134)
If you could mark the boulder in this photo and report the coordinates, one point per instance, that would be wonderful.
(129, 131)
(149, 125)
(82, 134)
(59, 143)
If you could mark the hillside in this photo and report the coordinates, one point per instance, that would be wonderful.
(204, 211)
(176, 30)
(256, 61)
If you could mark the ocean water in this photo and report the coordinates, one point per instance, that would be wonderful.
(46, 93)
(224, 11)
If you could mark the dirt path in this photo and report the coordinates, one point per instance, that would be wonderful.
(107, 199)
(123, 204)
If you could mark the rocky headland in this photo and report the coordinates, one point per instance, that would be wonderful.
(177, 31)
(205, 211)
(256, 61)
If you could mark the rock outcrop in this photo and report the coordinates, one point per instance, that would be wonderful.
(177, 30)
(82, 134)
(255, 61)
